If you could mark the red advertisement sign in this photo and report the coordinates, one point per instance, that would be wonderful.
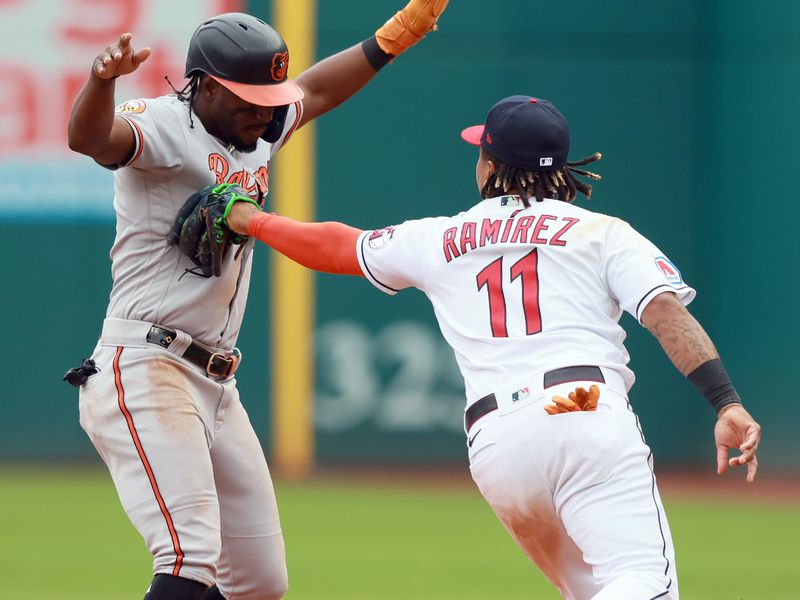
(47, 49)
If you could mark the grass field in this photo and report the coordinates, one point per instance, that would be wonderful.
(64, 537)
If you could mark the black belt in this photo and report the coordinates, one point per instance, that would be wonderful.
(488, 403)
(219, 365)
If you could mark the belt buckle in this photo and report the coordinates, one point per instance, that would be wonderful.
(228, 362)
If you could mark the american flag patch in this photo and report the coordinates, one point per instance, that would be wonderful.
(520, 395)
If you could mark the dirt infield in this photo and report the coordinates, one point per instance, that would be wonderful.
(768, 487)
(674, 483)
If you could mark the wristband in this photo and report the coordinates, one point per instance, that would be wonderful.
(376, 57)
(713, 382)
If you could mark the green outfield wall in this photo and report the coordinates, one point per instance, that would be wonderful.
(693, 105)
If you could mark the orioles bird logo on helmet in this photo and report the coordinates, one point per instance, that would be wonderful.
(280, 63)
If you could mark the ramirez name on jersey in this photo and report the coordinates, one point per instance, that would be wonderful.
(528, 229)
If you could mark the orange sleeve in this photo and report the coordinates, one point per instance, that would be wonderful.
(329, 247)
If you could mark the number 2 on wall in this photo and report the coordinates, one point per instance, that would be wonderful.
(491, 276)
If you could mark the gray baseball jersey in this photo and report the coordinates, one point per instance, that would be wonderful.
(151, 282)
(186, 463)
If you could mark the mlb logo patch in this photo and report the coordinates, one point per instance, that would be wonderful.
(669, 270)
(510, 200)
(520, 395)
(546, 161)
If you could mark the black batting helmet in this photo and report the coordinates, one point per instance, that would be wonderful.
(245, 55)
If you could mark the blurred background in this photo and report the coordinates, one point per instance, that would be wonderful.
(694, 105)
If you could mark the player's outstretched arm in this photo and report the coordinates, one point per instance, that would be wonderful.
(327, 247)
(332, 81)
(693, 354)
(92, 128)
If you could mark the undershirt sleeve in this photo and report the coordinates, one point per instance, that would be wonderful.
(327, 247)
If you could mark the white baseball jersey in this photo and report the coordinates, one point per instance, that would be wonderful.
(175, 157)
(518, 290)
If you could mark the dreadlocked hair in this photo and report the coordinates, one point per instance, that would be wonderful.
(560, 184)
(188, 92)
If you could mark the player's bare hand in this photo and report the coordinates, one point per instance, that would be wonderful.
(736, 429)
(239, 216)
(576, 401)
(119, 59)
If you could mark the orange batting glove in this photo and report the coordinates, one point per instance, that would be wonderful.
(409, 25)
(578, 400)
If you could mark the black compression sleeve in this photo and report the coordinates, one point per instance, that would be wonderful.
(713, 382)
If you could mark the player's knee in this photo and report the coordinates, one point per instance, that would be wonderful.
(639, 585)
(271, 593)
(197, 546)
(261, 587)
(169, 587)
(271, 590)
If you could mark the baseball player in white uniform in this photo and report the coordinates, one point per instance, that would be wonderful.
(528, 290)
(158, 397)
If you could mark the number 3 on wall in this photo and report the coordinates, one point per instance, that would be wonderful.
(491, 276)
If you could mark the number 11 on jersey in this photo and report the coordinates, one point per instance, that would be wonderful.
(491, 277)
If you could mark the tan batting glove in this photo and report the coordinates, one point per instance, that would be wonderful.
(409, 25)
(577, 401)
(119, 59)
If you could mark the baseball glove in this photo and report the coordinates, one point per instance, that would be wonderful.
(200, 230)
(578, 400)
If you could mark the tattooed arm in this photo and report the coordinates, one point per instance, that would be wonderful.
(694, 355)
(683, 339)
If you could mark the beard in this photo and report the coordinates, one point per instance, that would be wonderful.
(242, 147)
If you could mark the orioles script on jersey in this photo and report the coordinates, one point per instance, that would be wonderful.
(248, 181)
(528, 229)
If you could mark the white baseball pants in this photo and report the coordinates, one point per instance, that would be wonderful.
(577, 492)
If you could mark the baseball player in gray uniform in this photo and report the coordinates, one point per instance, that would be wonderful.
(158, 397)
(528, 290)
